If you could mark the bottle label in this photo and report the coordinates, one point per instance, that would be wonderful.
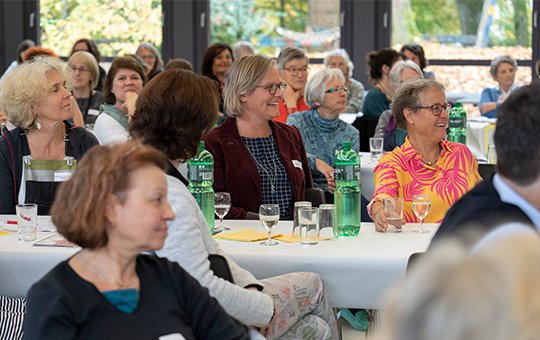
(200, 173)
(456, 123)
(347, 172)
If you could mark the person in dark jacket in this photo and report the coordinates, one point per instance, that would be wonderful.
(512, 193)
(43, 149)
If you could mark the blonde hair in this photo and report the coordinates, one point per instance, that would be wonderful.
(88, 60)
(242, 78)
(451, 294)
(25, 86)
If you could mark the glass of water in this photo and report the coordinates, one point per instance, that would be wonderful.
(269, 217)
(376, 147)
(309, 225)
(222, 204)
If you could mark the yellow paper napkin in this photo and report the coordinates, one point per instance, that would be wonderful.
(245, 235)
(290, 238)
(3, 233)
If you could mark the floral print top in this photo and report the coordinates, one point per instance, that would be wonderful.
(401, 173)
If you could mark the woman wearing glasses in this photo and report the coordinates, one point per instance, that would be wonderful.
(256, 159)
(293, 68)
(426, 163)
(322, 130)
(84, 72)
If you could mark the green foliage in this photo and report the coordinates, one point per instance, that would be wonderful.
(117, 26)
(513, 24)
(435, 17)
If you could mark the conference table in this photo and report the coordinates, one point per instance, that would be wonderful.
(357, 271)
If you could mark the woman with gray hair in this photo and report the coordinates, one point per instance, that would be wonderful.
(426, 163)
(503, 70)
(152, 59)
(257, 160)
(43, 149)
(387, 128)
(339, 58)
(321, 129)
(293, 67)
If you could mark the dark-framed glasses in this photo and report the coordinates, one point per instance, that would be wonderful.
(337, 89)
(436, 109)
(273, 87)
(294, 71)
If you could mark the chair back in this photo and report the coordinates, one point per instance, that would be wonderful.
(220, 267)
(366, 127)
(315, 196)
(486, 170)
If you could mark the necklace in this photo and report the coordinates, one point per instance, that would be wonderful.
(429, 163)
(120, 284)
(271, 178)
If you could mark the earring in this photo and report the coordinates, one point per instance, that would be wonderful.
(37, 123)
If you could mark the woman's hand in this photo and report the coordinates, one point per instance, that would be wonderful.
(291, 97)
(328, 172)
(486, 107)
(129, 104)
(379, 217)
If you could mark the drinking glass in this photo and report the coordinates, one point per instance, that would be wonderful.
(491, 154)
(328, 218)
(376, 147)
(420, 205)
(222, 204)
(269, 217)
(27, 221)
(296, 224)
(309, 225)
(393, 209)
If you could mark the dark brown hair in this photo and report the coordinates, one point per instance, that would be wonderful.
(173, 110)
(376, 60)
(208, 60)
(23, 46)
(91, 47)
(418, 51)
(129, 62)
(79, 209)
(179, 63)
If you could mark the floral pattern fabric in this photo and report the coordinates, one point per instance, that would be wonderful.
(401, 173)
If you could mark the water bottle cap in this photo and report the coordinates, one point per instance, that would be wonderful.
(346, 144)
(201, 145)
(457, 104)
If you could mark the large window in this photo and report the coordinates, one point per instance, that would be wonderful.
(270, 25)
(455, 33)
(117, 26)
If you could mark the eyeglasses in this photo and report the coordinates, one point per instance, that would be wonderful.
(436, 109)
(273, 87)
(148, 57)
(294, 71)
(80, 69)
(336, 89)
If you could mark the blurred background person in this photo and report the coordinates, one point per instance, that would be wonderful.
(44, 142)
(339, 59)
(152, 59)
(256, 159)
(379, 64)
(173, 111)
(321, 129)
(216, 62)
(84, 72)
(115, 208)
(88, 45)
(452, 294)
(242, 48)
(21, 49)
(503, 70)
(123, 84)
(426, 163)
(179, 63)
(36, 51)
(387, 128)
(293, 67)
(416, 54)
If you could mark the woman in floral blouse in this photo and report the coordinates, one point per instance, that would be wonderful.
(426, 163)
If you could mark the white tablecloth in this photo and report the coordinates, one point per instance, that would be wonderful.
(357, 271)
(366, 174)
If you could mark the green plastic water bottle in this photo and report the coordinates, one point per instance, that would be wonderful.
(201, 180)
(347, 194)
(457, 124)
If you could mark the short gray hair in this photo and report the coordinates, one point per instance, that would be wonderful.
(316, 86)
(25, 86)
(339, 52)
(397, 69)
(242, 48)
(495, 63)
(408, 96)
(288, 54)
(242, 78)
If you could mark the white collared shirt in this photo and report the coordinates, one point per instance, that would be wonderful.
(508, 195)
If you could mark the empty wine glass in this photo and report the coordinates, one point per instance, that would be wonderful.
(420, 205)
(222, 204)
(269, 217)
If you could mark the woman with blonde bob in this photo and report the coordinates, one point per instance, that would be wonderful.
(115, 207)
(43, 149)
(84, 72)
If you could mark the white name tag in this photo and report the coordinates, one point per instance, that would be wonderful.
(93, 112)
(62, 176)
(297, 164)
(175, 336)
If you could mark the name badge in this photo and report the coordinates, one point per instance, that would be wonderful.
(62, 176)
(175, 336)
(93, 112)
(297, 164)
